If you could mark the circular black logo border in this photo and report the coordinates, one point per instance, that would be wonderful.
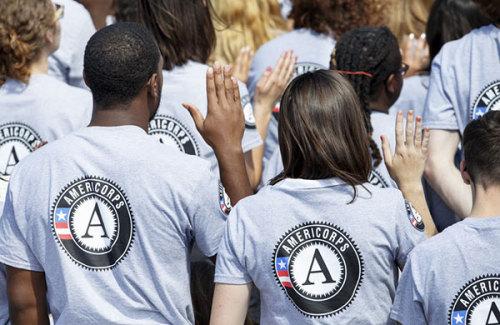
(354, 247)
(192, 139)
(58, 240)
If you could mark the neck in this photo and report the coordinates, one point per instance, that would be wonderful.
(486, 202)
(121, 114)
(41, 64)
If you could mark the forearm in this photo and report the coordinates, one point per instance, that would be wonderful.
(230, 304)
(27, 296)
(233, 173)
(414, 193)
(446, 180)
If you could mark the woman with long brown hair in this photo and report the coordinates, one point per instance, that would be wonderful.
(320, 243)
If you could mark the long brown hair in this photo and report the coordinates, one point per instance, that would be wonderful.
(321, 130)
(23, 26)
(182, 28)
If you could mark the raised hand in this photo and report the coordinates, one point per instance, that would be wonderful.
(415, 53)
(407, 164)
(223, 129)
(224, 124)
(273, 82)
(242, 64)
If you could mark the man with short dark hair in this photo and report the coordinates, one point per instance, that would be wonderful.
(454, 277)
(99, 225)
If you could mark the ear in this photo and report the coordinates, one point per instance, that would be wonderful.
(50, 36)
(392, 84)
(154, 85)
(465, 174)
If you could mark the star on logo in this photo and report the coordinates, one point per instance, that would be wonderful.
(459, 319)
(282, 264)
(61, 216)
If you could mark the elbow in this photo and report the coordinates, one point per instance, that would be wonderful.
(432, 168)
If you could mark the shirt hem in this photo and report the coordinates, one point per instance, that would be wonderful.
(252, 145)
(231, 280)
(20, 265)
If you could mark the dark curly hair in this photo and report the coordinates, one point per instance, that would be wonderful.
(126, 10)
(23, 26)
(119, 60)
(335, 17)
(374, 50)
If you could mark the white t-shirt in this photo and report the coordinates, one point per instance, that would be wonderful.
(313, 52)
(413, 95)
(317, 257)
(465, 80)
(45, 109)
(110, 215)
(174, 126)
(76, 29)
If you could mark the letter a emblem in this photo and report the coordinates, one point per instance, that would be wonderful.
(493, 315)
(11, 162)
(100, 223)
(322, 269)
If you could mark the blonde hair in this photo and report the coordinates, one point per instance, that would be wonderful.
(244, 23)
(409, 16)
(23, 26)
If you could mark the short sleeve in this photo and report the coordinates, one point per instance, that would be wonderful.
(438, 110)
(409, 231)
(230, 267)
(14, 247)
(408, 305)
(209, 216)
(251, 137)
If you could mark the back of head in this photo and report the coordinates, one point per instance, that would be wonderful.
(244, 23)
(408, 16)
(182, 28)
(450, 20)
(23, 28)
(321, 130)
(119, 60)
(374, 50)
(481, 145)
(335, 17)
(491, 8)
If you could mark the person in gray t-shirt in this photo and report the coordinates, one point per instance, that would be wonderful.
(320, 243)
(464, 85)
(89, 227)
(454, 278)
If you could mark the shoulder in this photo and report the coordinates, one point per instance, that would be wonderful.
(59, 95)
(432, 249)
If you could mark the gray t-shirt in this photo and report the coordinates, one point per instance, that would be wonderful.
(465, 80)
(45, 109)
(174, 126)
(313, 52)
(110, 216)
(413, 95)
(76, 29)
(316, 257)
(453, 278)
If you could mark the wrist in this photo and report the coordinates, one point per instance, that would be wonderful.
(411, 187)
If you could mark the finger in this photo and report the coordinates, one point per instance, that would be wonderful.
(425, 141)
(386, 150)
(410, 129)
(236, 91)
(228, 85)
(264, 79)
(290, 69)
(195, 115)
(211, 91)
(418, 132)
(220, 90)
(286, 65)
(399, 131)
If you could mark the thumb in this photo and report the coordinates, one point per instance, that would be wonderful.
(196, 115)
(386, 150)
